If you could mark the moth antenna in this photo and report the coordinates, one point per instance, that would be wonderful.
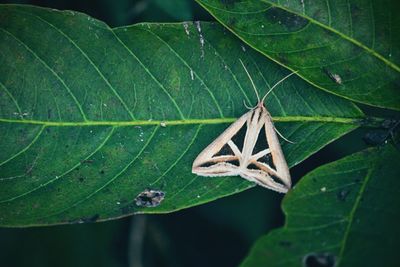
(272, 88)
(244, 103)
(251, 80)
(284, 138)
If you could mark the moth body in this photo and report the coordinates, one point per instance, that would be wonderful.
(225, 157)
(208, 163)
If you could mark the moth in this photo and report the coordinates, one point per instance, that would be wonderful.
(224, 157)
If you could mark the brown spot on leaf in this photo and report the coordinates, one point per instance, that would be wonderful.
(149, 198)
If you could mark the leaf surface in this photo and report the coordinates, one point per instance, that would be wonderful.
(90, 116)
(348, 48)
(341, 214)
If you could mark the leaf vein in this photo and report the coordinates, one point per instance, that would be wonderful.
(109, 181)
(230, 71)
(180, 156)
(151, 75)
(51, 70)
(86, 56)
(12, 97)
(25, 148)
(194, 72)
(63, 174)
(352, 212)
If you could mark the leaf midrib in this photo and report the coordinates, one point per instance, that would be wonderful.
(351, 216)
(326, 119)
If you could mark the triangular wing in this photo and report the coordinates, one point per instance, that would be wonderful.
(278, 158)
(210, 162)
(266, 167)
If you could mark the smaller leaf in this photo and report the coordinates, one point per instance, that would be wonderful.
(345, 49)
(341, 214)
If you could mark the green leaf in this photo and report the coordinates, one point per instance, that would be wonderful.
(83, 110)
(347, 48)
(342, 213)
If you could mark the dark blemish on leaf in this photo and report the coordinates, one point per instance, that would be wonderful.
(355, 50)
(228, 3)
(342, 195)
(282, 58)
(328, 33)
(81, 179)
(49, 113)
(319, 260)
(107, 190)
(90, 219)
(121, 202)
(149, 198)
(389, 123)
(286, 244)
(87, 161)
(231, 21)
(395, 82)
(94, 217)
(355, 11)
(125, 209)
(316, 14)
(289, 20)
(368, 121)
(73, 221)
(376, 137)
(47, 130)
(333, 76)
(214, 25)
(29, 171)
(381, 136)
(102, 172)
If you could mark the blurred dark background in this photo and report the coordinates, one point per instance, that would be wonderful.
(216, 234)
(124, 12)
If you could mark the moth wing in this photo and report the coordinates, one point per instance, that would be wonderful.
(268, 167)
(209, 163)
